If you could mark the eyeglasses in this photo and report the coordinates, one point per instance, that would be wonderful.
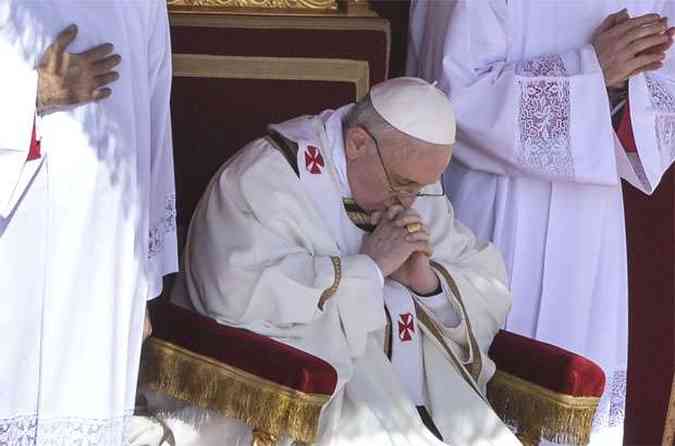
(392, 189)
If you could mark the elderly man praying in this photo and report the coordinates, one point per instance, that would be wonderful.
(332, 234)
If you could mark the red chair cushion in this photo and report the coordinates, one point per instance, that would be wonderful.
(549, 366)
(243, 349)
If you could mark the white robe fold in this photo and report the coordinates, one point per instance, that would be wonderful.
(537, 164)
(258, 257)
(88, 230)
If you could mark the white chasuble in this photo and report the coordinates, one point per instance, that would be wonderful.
(537, 164)
(286, 224)
(88, 229)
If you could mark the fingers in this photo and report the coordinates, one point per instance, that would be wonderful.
(105, 79)
(406, 218)
(613, 20)
(646, 43)
(393, 211)
(636, 64)
(107, 64)
(634, 23)
(97, 53)
(65, 38)
(649, 67)
(422, 235)
(423, 247)
(100, 94)
(636, 34)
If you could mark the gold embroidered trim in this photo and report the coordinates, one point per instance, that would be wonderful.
(330, 292)
(354, 72)
(477, 365)
(428, 322)
(209, 384)
(312, 5)
(538, 412)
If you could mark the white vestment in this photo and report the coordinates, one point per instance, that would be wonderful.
(537, 165)
(88, 230)
(261, 252)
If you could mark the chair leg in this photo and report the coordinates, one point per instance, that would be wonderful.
(261, 438)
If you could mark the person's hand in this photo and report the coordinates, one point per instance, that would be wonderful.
(66, 79)
(390, 244)
(147, 326)
(416, 272)
(627, 46)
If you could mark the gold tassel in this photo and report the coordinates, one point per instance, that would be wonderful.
(541, 413)
(209, 384)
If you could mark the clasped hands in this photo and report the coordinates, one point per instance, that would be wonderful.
(402, 255)
(626, 46)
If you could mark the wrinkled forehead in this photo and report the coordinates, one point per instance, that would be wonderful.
(418, 161)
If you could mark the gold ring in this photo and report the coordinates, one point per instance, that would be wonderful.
(413, 227)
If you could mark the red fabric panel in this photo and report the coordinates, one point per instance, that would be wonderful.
(625, 130)
(242, 349)
(366, 45)
(213, 118)
(398, 14)
(650, 230)
(547, 365)
(34, 151)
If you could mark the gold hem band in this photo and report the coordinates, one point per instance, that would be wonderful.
(209, 384)
(541, 412)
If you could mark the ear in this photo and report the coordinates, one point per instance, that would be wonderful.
(356, 143)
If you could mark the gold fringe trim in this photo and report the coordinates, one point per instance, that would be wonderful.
(541, 413)
(209, 384)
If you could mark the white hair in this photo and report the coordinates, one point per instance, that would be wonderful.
(363, 114)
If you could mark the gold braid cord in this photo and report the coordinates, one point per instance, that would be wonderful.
(330, 292)
(266, 4)
(209, 384)
(541, 413)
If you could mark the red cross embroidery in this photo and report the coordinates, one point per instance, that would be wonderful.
(406, 326)
(313, 160)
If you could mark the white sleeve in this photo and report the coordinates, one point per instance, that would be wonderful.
(162, 249)
(652, 117)
(18, 93)
(547, 117)
(441, 307)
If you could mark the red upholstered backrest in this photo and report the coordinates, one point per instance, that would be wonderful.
(549, 366)
(235, 74)
(243, 349)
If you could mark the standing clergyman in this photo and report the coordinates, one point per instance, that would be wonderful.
(87, 216)
(539, 89)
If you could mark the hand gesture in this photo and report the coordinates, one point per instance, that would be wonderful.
(627, 46)
(66, 79)
(416, 272)
(390, 245)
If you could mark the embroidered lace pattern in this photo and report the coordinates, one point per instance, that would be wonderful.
(30, 430)
(544, 117)
(664, 103)
(611, 410)
(165, 225)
